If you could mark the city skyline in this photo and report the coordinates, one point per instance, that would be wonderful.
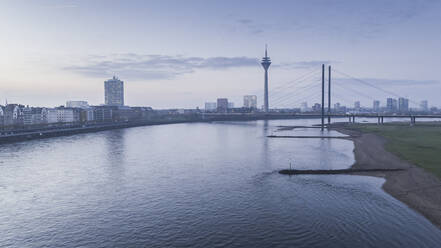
(391, 45)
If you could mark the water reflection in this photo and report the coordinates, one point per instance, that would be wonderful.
(196, 185)
(115, 149)
(265, 153)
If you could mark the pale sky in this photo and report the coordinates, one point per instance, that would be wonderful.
(184, 53)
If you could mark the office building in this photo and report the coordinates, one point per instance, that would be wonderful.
(114, 92)
(316, 107)
(222, 105)
(304, 107)
(230, 105)
(403, 105)
(376, 106)
(103, 113)
(250, 101)
(391, 105)
(337, 107)
(424, 106)
(357, 105)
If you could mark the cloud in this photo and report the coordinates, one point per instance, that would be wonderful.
(153, 67)
(245, 21)
(250, 26)
(304, 64)
(61, 6)
(350, 20)
(389, 82)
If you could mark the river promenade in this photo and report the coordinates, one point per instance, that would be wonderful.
(48, 132)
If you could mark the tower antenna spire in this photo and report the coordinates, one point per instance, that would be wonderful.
(266, 50)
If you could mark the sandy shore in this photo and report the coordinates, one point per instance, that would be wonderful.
(415, 187)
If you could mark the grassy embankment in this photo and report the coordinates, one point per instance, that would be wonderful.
(420, 144)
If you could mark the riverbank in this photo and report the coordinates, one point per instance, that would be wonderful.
(416, 187)
(10, 136)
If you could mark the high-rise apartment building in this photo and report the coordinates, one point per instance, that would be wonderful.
(250, 101)
(114, 92)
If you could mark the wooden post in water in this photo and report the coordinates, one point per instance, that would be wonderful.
(323, 97)
(329, 96)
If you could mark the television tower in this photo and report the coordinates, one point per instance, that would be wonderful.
(266, 62)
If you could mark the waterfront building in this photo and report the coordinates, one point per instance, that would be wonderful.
(266, 62)
(403, 105)
(342, 109)
(88, 114)
(63, 115)
(103, 113)
(250, 101)
(222, 105)
(230, 105)
(2, 115)
(77, 104)
(424, 106)
(376, 106)
(210, 106)
(34, 116)
(304, 107)
(114, 92)
(316, 107)
(13, 114)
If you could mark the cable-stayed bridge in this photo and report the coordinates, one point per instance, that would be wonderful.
(319, 86)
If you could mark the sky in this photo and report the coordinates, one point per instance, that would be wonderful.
(181, 54)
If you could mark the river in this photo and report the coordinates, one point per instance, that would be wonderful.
(197, 185)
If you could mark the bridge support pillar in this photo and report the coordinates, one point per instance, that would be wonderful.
(349, 119)
(412, 120)
(353, 118)
(382, 119)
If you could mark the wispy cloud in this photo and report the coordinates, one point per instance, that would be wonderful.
(389, 82)
(304, 64)
(154, 66)
(352, 20)
(60, 6)
(250, 26)
(149, 67)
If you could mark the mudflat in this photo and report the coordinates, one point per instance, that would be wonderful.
(416, 187)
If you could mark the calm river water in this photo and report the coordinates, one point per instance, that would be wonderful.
(196, 185)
